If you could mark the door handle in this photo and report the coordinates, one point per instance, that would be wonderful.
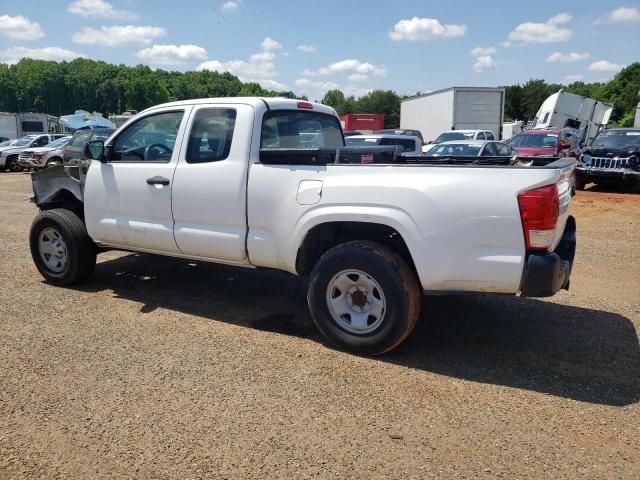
(158, 180)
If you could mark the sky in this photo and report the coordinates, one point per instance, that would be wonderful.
(312, 46)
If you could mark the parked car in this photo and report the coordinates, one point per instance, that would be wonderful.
(474, 148)
(452, 135)
(612, 157)
(9, 154)
(409, 145)
(74, 150)
(401, 131)
(42, 157)
(546, 143)
(228, 182)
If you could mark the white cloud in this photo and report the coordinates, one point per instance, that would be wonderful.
(605, 66)
(245, 71)
(621, 15)
(172, 54)
(20, 28)
(270, 84)
(230, 6)
(480, 51)
(15, 54)
(307, 48)
(118, 36)
(312, 88)
(416, 29)
(352, 90)
(262, 57)
(571, 79)
(349, 66)
(357, 77)
(484, 62)
(98, 9)
(550, 31)
(571, 57)
(270, 44)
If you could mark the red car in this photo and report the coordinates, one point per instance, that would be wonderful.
(546, 143)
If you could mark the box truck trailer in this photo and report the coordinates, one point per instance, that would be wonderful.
(455, 108)
(362, 122)
(567, 110)
(17, 125)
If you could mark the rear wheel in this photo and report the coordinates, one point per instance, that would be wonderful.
(364, 297)
(61, 248)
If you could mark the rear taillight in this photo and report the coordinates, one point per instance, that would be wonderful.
(539, 210)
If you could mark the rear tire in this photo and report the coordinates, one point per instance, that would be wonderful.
(364, 297)
(61, 248)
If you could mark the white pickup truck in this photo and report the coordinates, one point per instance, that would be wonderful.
(256, 182)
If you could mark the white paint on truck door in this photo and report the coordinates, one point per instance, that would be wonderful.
(128, 200)
(209, 184)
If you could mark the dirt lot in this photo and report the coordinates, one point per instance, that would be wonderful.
(167, 369)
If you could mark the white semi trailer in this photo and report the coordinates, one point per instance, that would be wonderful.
(455, 108)
(567, 110)
(17, 125)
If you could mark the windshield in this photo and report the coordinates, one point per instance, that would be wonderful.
(456, 149)
(538, 140)
(61, 142)
(24, 141)
(361, 141)
(613, 139)
(300, 129)
(449, 136)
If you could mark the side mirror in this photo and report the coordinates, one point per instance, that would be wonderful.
(429, 142)
(95, 150)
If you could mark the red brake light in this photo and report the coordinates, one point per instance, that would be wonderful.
(305, 105)
(539, 211)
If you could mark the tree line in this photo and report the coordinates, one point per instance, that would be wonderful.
(61, 88)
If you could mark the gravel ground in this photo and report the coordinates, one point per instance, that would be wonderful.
(159, 368)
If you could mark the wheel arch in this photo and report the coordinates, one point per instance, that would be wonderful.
(321, 237)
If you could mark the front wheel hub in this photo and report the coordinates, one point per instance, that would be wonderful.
(356, 301)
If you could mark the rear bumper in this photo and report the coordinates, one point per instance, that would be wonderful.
(623, 175)
(547, 273)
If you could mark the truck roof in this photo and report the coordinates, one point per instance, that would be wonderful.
(272, 103)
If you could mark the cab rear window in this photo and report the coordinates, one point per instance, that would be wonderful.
(296, 129)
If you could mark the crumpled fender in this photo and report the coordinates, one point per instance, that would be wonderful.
(50, 182)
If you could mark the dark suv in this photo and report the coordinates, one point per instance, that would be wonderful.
(612, 157)
(74, 151)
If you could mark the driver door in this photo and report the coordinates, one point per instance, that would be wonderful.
(128, 199)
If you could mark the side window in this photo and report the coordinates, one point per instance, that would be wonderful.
(80, 139)
(41, 142)
(489, 136)
(490, 150)
(480, 136)
(407, 144)
(504, 150)
(211, 135)
(150, 139)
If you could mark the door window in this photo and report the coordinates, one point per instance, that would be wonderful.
(504, 150)
(211, 135)
(150, 139)
(489, 150)
(480, 136)
(80, 139)
(489, 136)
